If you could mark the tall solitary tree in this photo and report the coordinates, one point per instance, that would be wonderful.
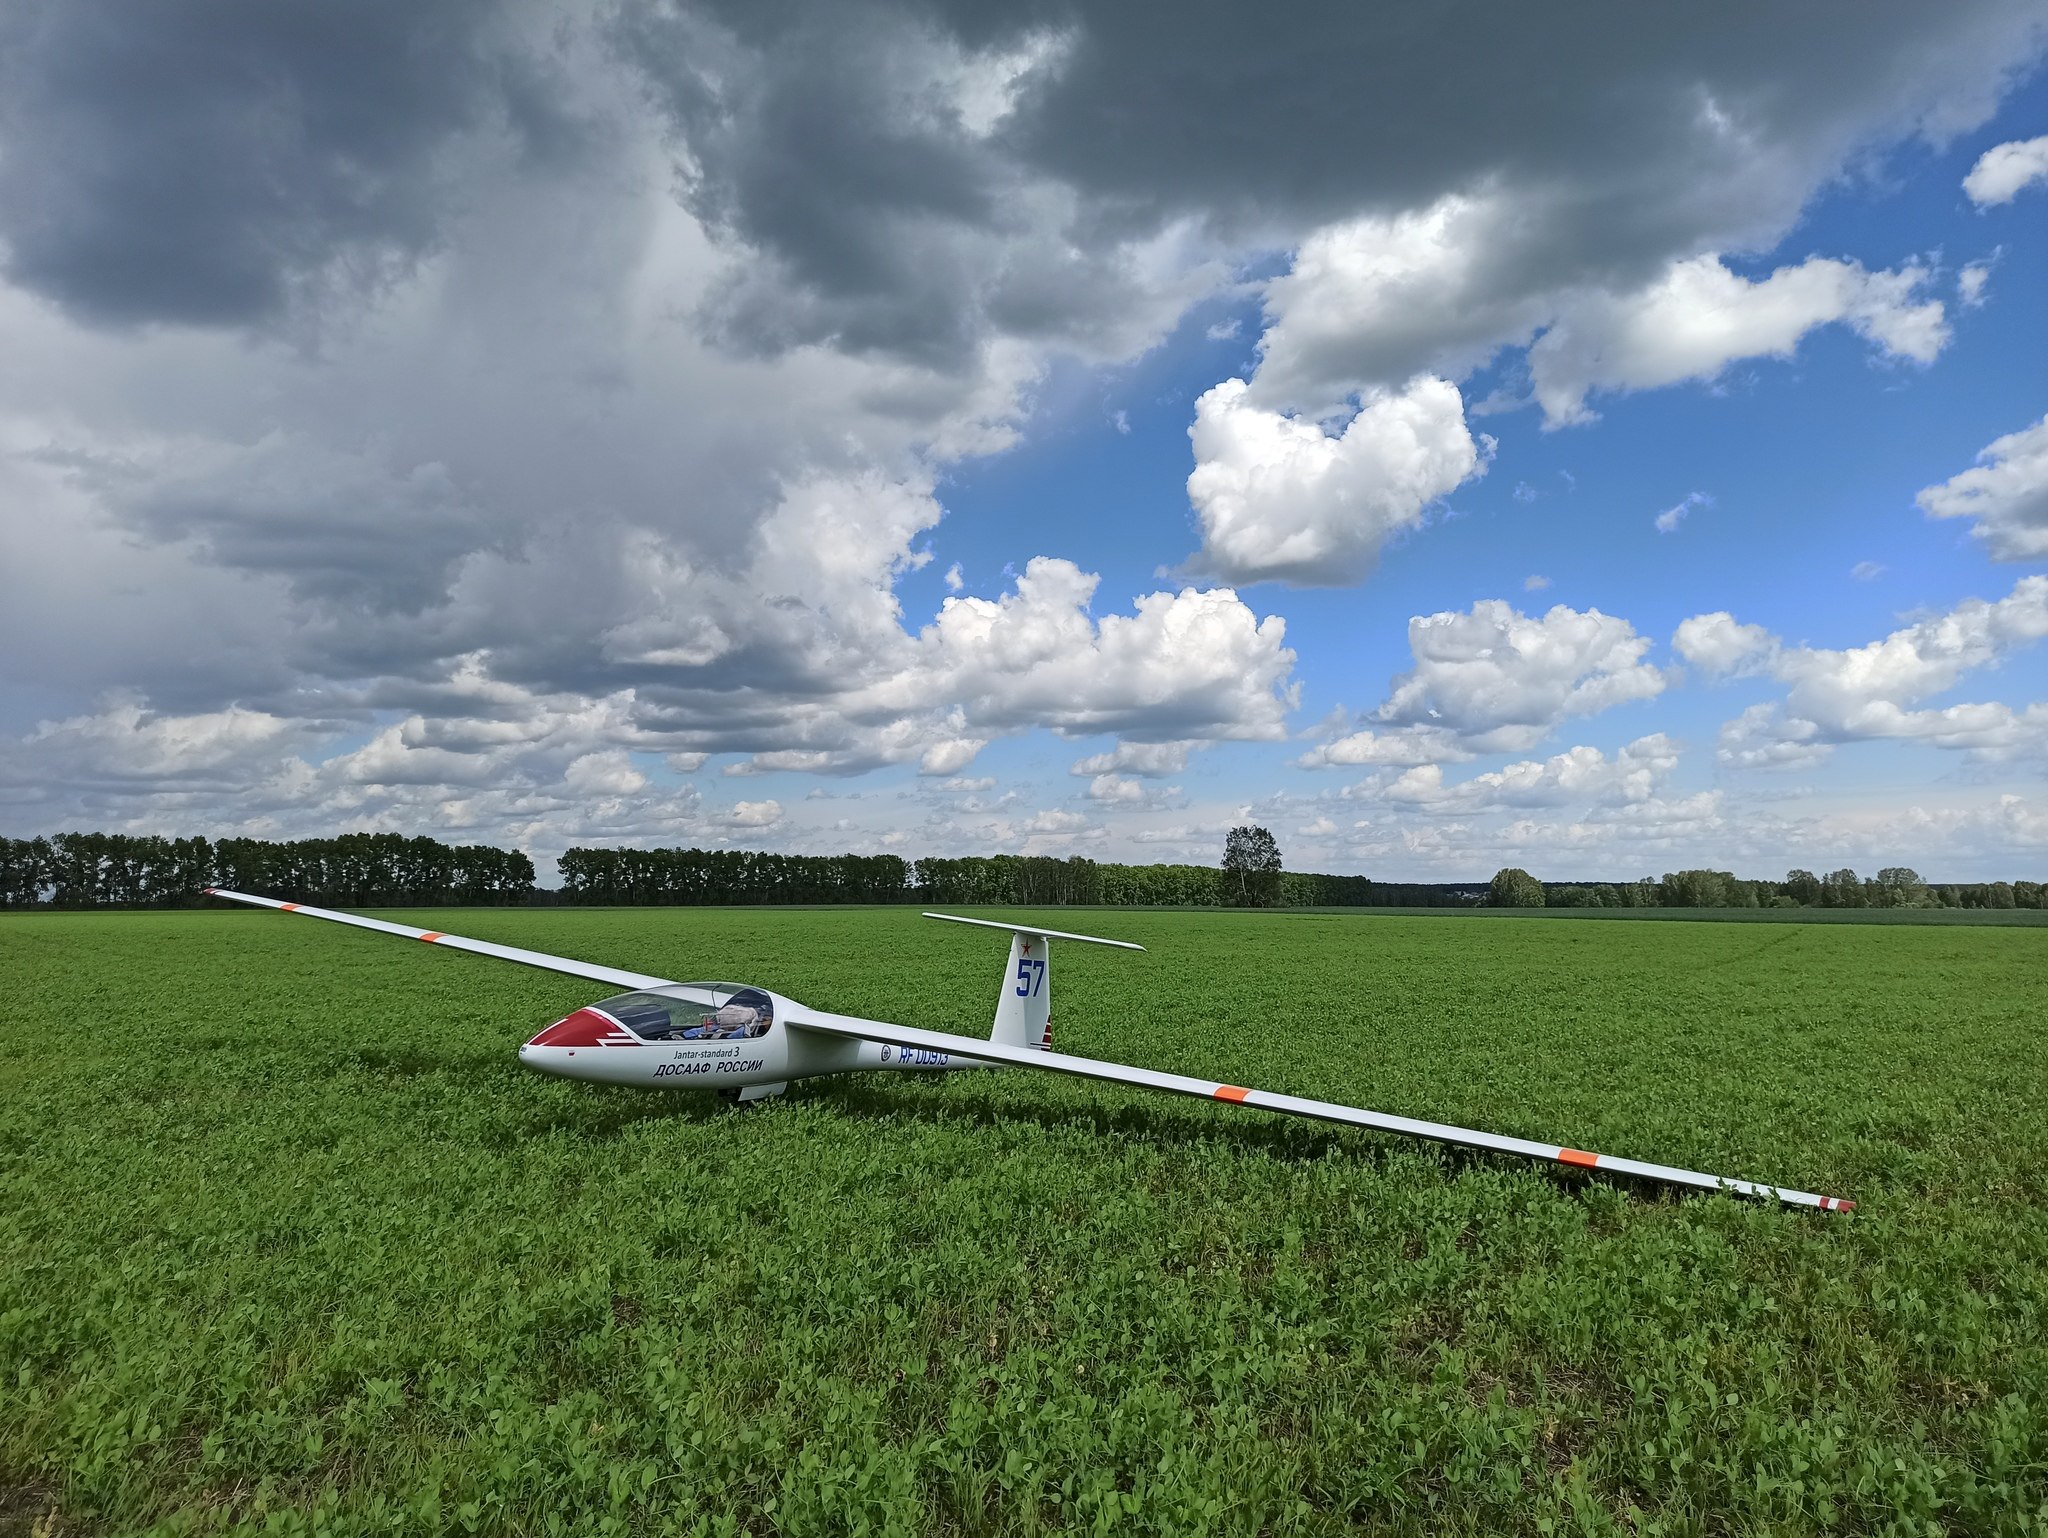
(1251, 868)
(1513, 887)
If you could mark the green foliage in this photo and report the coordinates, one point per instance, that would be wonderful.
(1513, 887)
(121, 870)
(1251, 868)
(291, 1244)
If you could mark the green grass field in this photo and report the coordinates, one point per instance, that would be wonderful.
(289, 1243)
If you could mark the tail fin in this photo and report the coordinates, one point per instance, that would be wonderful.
(1024, 1007)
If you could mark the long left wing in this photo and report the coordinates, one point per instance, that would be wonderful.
(1292, 1105)
(613, 975)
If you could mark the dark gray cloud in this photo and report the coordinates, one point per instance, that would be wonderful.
(841, 141)
(197, 161)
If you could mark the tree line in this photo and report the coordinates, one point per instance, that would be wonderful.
(126, 870)
(685, 876)
(120, 870)
(1896, 886)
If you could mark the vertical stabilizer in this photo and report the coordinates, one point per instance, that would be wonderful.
(1024, 1007)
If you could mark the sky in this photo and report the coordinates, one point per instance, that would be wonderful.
(1605, 441)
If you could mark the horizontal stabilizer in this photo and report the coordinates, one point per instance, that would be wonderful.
(1033, 929)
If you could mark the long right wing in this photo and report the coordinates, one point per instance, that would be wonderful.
(1293, 1105)
(613, 975)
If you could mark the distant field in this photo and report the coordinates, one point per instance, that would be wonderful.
(289, 1243)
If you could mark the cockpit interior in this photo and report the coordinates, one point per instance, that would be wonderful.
(737, 1015)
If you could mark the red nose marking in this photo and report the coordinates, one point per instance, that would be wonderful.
(581, 1029)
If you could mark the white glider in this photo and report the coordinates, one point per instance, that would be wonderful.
(753, 1042)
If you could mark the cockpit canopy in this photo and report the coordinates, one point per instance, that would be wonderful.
(735, 1016)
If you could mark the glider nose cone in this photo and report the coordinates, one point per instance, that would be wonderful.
(556, 1049)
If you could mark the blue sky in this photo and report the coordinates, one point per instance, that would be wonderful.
(630, 461)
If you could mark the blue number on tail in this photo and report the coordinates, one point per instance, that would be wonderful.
(1030, 978)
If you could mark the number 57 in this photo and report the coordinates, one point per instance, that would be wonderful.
(1030, 977)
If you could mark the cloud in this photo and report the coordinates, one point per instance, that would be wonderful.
(2006, 493)
(208, 164)
(1534, 583)
(1497, 680)
(1866, 571)
(1699, 317)
(1278, 498)
(1579, 775)
(350, 529)
(1718, 645)
(1970, 284)
(1154, 760)
(125, 742)
(1186, 664)
(865, 158)
(755, 814)
(2006, 170)
(1116, 788)
(1371, 303)
(1668, 521)
(1869, 692)
(491, 390)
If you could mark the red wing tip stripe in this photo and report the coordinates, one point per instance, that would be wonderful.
(287, 907)
(1577, 1156)
(1836, 1204)
(1230, 1092)
(431, 935)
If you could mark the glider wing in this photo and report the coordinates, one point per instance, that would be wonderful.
(613, 975)
(1292, 1105)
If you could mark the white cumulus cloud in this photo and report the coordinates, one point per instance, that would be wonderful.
(1496, 680)
(2006, 492)
(1578, 775)
(1278, 498)
(1872, 691)
(1699, 317)
(1719, 644)
(1150, 759)
(2005, 170)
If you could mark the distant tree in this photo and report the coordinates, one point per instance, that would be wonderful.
(1803, 887)
(1899, 886)
(1251, 868)
(1842, 889)
(1697, 889)
(2027, 894)
(1513, 887)
(1998, 895)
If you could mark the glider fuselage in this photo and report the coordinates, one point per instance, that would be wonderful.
(700, 1036)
